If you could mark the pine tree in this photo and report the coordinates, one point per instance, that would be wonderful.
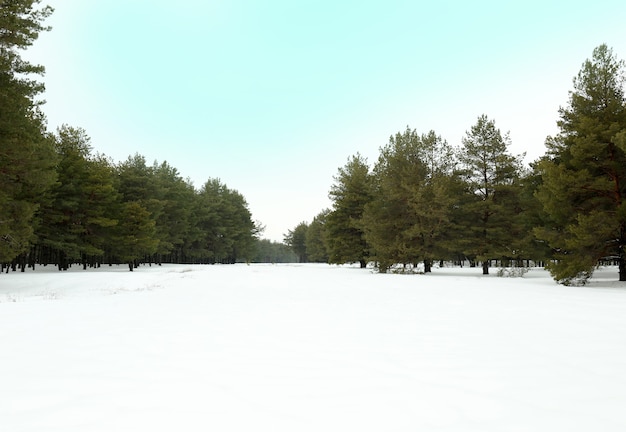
(135, 234)
(226, 231)
(173, 223)
(80, 207)
(408, 218)
(433, 200)
(584, 173)
(490, 207)
(526, 245)
(267, 251)
(316, 238)
(388, 218)
(296, 240)
(345, 237)
(26, 153)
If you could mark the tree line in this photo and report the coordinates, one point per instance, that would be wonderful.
(425, 201)
(60, 203)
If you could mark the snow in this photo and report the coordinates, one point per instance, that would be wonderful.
(309, 348)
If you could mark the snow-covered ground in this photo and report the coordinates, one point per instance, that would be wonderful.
(309, 348)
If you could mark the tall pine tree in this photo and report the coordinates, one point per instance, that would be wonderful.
(584, 173)
(490, 208)
(26, 153)
(345, 237)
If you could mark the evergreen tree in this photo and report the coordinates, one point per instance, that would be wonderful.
(138, 188)
(387, 218)
(491, 206)
(240, 227)
(527, 245)
(408, 219)
(227, 232)
(80, 207)
(584, 173)
(268, 251)
(432, 201)
(296, 240)
(350, 193)
(175, 197)
(136, 237)
(316, 238)
(26, 153)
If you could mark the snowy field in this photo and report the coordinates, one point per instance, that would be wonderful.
(309, 348)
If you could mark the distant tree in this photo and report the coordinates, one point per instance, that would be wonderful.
(138, 187)
(173, 221)
(584, 173)
(137, 182)
(296, 240)
(527, 245)
(351, 191)
(268, 251)
(135, 234)
(490, 211)
(241, 228)
(316, 238)
(227, 232)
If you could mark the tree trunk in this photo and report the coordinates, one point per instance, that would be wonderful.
(622, 264)
(427, 265)
(486, 267)
(622, 255)
(363, 263)
(62, 262)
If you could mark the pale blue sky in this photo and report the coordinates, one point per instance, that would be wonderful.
(272, 97)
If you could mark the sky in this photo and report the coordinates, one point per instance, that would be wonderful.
(273, 97)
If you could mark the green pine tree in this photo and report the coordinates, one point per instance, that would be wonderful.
(316, 238)
(296, 240)
(135, 234)
(26, 153)
(345, 236)
(489, 216)
(408, 220)
(388, 218)
(584, 173)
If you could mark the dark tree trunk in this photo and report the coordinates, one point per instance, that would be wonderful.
(622, 264)
(363, 263)
(63, 264)
(486, 267)
(622, 255)
(427, 266)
